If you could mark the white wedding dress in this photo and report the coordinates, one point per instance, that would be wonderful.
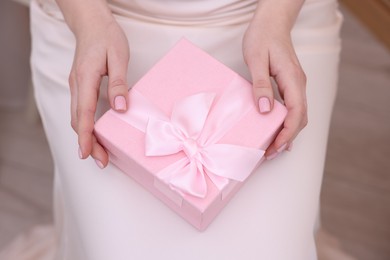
(103, 214)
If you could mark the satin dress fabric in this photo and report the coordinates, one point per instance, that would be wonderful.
(104, 214)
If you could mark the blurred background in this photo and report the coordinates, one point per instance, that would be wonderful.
(355, 200)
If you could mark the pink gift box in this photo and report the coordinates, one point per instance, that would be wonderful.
(192, 133)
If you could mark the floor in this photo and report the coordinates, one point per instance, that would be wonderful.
(356, 190)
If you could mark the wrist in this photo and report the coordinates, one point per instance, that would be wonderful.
(85, 24)
(277, 14)
(81, 16)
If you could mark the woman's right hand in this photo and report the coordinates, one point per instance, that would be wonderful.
(101, 49)
(268, 51)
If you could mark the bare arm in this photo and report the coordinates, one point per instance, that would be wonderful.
(81, 15)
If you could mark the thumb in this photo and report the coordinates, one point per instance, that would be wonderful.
(117, 83)
(262, 88)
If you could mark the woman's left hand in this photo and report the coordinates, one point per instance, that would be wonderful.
(268, 52)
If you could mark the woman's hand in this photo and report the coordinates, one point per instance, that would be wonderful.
(101, 49)
(268, 52)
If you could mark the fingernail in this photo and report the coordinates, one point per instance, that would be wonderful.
(282, 148)
(80, 153)
(272, 156)
(290, 146)
(120, 103)
(264, 105)
(99, 163)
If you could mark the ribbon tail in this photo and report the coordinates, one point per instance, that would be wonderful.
(172, 170)
(219, 182)
(231, 161)
(184, 177)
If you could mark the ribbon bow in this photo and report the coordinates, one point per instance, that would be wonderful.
(195, 127)
(185, 132)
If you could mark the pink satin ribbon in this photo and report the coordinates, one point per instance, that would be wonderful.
(195, 126)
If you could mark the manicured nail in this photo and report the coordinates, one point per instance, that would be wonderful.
(120, 103)
(80, 153)
(289, 147)
(264, 105)
(282, 148)
(99, 163)
(272, 156)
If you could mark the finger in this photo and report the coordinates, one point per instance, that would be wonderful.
(99, 153)
(262, 89)
(117, 63)
(293, 124)
(292, 84)
(88, 84)
(73, 100)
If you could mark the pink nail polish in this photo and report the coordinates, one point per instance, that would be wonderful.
(80, 153)
(120, 103)
(282, 148)
(99, 164)
(264, 105)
